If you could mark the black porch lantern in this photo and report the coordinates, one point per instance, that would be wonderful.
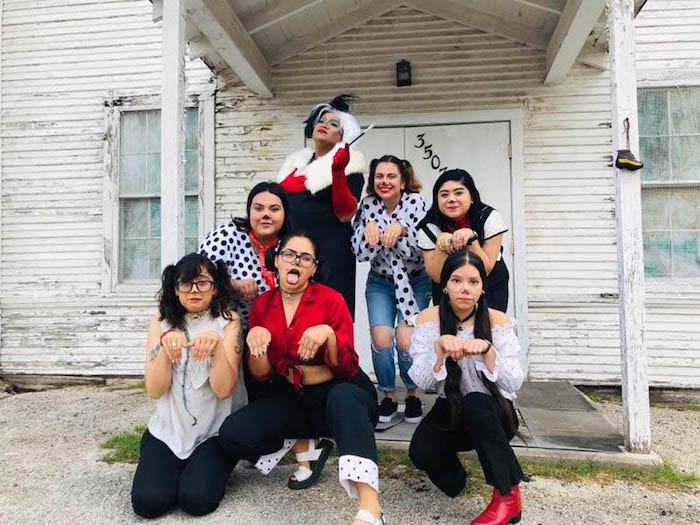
(403, 73)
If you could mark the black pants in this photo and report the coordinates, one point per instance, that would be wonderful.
(482, 428)
(344, 410)
(162, 479)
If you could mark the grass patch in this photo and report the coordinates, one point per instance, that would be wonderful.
(137, 388)
(125, 447)
(394, 464)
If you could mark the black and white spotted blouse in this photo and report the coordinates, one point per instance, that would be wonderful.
(401, 260)
(232, 246)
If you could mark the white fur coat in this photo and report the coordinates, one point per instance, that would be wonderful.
(318, 173)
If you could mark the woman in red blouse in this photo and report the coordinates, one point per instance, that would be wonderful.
(301, 340)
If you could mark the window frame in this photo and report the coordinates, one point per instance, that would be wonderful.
(114, 109)
(683, 286)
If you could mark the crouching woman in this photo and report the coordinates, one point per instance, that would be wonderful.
(301, 338)
(469, 354)
(193, 359)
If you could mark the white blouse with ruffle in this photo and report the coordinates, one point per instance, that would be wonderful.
(507, 374)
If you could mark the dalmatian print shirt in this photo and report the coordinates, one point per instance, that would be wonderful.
(229, 244)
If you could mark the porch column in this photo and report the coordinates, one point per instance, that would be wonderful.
(628, 210)
(172, 130)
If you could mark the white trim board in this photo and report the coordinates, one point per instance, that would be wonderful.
(515, 118)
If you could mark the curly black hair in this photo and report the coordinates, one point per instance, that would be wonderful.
(186, 270)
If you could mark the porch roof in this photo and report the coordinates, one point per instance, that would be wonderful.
(248, 37)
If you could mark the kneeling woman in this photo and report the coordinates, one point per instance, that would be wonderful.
(469, 353)
(301, 336)
(193, 355)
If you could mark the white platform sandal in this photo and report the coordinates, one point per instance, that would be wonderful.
(304, 477)
(368, 517)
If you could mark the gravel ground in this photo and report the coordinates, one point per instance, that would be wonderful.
(674, 434)
(51, 473)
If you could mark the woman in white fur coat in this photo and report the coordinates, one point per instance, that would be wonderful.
(324, 183)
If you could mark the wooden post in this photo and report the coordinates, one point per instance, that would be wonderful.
(172, 129)
(628, 210)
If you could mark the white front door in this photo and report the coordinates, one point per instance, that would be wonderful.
(482, 149)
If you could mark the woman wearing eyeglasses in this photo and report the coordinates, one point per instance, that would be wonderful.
(301, 337)
(193, 359)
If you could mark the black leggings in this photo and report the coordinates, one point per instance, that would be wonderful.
(162, 479)
(435, 450)
(344, 410)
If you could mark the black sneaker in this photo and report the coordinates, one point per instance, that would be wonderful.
(388, 409)
(414, 411)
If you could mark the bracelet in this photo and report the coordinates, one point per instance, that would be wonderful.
(471, 241)
(164, 334)
(487, 349)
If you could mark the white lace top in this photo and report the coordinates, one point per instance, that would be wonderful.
(191, 398)
(507, 374)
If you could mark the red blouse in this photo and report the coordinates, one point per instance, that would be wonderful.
(319, 305)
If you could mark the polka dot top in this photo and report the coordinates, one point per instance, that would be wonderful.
(232, 246)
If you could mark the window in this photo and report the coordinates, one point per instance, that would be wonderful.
(669, 129)
(139, 192)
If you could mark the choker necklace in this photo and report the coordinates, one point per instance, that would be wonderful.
(290, 295)
(472, 314)
(196, 316)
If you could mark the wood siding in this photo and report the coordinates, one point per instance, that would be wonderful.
(61, 62)
(668, 55)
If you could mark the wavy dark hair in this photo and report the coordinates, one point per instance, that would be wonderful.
(435, 216)
(271, 254)
(243, 223)
(186, 270)
(482, 330)
(409, 178)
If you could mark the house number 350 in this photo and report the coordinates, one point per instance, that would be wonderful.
(428, 154)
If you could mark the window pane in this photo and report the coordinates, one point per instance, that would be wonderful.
(154, 229)
(685, 110)
(685, 160)
(134, 264)
(134, 174)
(134, 215)
(191, 217)
(154, 258)
(191, 171)
(191, 129)
(656, 213)
(686, 255)
(153, 173)
(657, 255)
(153, 131)
(686, 208)
(132, 132)
(654, 155)
(652, 111)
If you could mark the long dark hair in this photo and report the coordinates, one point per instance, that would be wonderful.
(435, 216)
(271, 254)
(186, 270)
(482, 330)
(243, 223)
(408, 177)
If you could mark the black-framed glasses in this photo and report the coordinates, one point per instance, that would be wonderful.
(202, 286)
(305, 259)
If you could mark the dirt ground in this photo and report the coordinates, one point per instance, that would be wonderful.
(50, 473)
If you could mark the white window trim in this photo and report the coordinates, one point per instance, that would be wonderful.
(114, 108)
(659, 288)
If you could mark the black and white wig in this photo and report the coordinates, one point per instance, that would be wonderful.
(340, 105)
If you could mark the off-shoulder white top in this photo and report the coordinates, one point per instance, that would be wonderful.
(507, 374)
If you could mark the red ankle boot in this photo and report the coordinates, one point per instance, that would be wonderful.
(502, 510)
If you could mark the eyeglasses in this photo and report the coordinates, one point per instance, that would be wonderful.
(305, 259)
(202, 286)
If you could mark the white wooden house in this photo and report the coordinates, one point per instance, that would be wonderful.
(523, 88)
